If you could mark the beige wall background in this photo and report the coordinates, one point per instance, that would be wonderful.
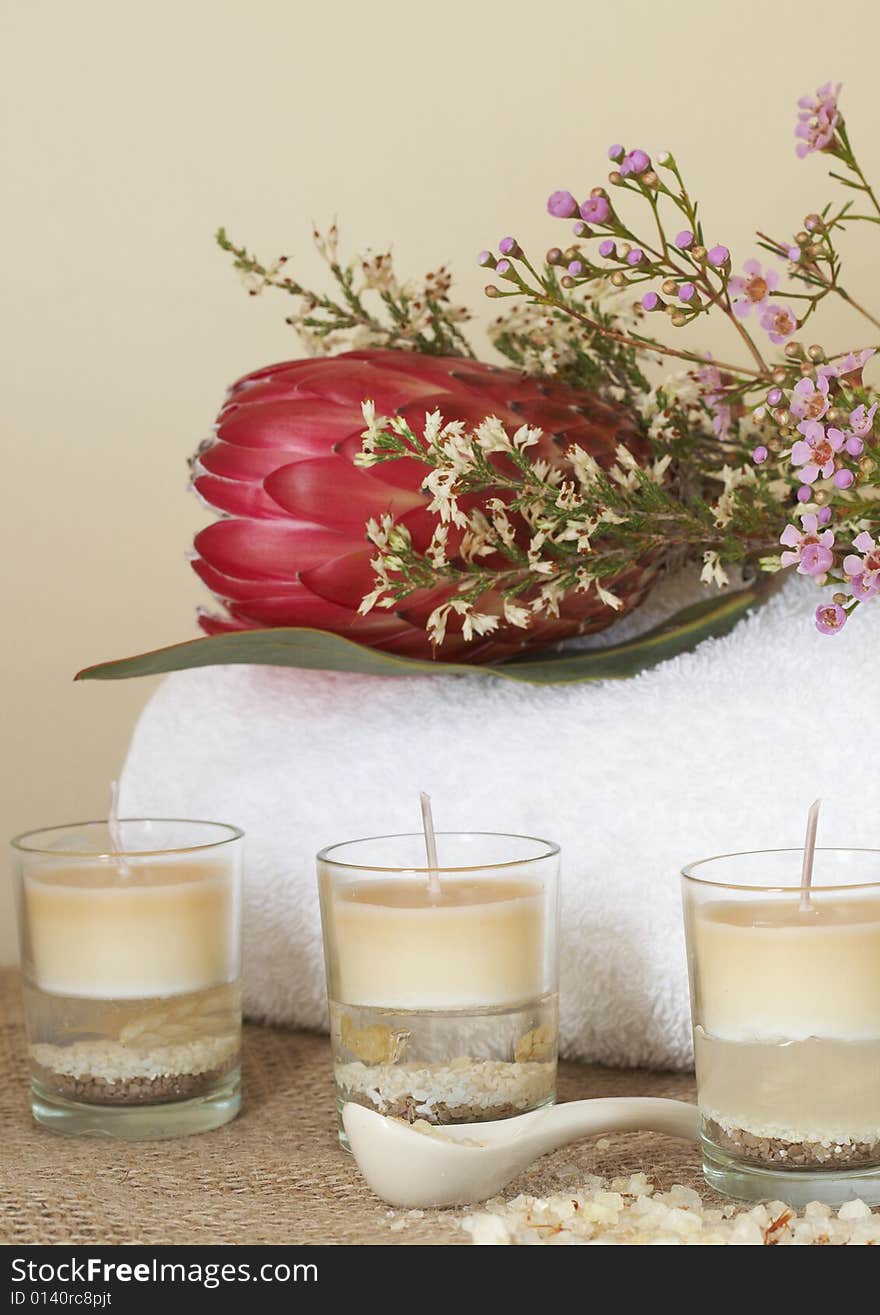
(132, 129)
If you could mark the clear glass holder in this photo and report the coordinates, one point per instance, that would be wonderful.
(442, 985)
(785, 1003)
(131, 976)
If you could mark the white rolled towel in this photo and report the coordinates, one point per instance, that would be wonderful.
(717, 750)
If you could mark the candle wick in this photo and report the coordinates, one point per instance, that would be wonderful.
(809, 854)
(113, 826)
(430, 845)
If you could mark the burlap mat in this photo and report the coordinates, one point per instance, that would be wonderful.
(275, 1175)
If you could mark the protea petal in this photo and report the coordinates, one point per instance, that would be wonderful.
(331, 491)
(307, 426)
(269, 550)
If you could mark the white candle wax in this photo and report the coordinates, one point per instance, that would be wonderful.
(480, 942)
(153, 929)
(769, 970)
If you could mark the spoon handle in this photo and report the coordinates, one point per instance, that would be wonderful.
(560, 1124)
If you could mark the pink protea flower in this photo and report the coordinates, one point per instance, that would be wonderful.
(752, 289)
(817, 120)
(291, 547)
(816, 451)
(862, 420)
(864, 571)
(780, 322)
(810, 548)
(810, 400)
(830, 618)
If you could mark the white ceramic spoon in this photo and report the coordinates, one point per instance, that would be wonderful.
(413, 1169)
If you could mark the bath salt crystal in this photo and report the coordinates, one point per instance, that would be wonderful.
(630, 1212)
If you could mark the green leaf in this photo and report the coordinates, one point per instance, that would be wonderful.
(317, 650)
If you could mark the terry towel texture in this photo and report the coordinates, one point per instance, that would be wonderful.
(718, 750)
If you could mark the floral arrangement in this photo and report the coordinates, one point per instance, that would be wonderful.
(769, 462)
(410, 498)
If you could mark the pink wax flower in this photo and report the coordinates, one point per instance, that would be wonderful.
(816, 451)
(864, 571)
(752, 289)
(562, 205)
(780, 323)
(810, 548)
(850, 363)
(595, 210)
(818, 118)
(636, 162)
(830, 618)
(862, 421)
(810, 400)
(715, 398)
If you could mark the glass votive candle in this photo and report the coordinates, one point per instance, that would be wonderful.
(785, 999)
(443, 983)
(131, 965)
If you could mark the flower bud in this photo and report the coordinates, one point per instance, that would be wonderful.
(670, 287)
(567, 281)
(607, 248)
(684, 240)
(760, 455)
(562, 205)
(839, 598)
(576, 268)
(580, 229)
(678, 318)
(816, 353)
(616, 152)
(486, 260)
(615, 177)
(844, 479)
(834, 415)
(491, 291)
(781, 416)
(650, 179)
(618, 279)
(779, 375)
(802, 238)
(814, 224)
(794, 350)
(719, 256)
(555, 257)
(508, 246)
(699, 253)
(806, 369)
(651, 301)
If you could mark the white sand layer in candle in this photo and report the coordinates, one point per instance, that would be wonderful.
(441, 1092)
(113, 1062)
